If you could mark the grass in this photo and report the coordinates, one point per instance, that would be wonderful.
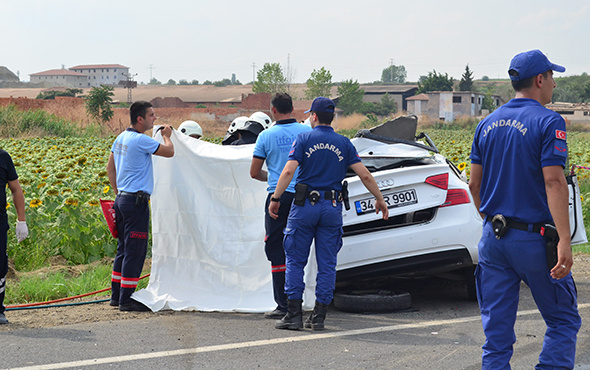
(45, 286)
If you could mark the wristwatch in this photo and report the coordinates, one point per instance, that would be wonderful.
(275, 199)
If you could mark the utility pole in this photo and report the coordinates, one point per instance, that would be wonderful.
(253, 73)
(391, 69)
(288, 70)
(130, 84)
(151, 67)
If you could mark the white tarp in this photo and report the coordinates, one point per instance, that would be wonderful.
(208, 232)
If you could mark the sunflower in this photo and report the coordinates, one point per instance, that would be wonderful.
(106, 189)
(71, 202)
(93, 202)
(7, 205)
(52, 191)
(462, 166)
(35, 203)
(41, 185)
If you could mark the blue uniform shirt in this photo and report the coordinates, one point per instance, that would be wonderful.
(273, 145)
(132, 152)
(513, 144)
(323, 158)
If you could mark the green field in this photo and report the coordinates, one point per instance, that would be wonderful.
(64, 178)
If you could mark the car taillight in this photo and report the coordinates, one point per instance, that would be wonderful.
(440, 181)
(455, 197)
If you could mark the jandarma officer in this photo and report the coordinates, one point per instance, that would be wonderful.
(529, 155)
(272, 147)
(322, 157)
(131, 176)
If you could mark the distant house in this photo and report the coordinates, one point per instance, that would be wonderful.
(572, 112)
(102, 74)
(448, 105)
(399, 94)
(60, 77)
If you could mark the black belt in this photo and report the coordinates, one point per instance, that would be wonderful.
(139, 194)
(538, 228)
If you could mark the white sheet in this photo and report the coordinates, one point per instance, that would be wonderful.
(208, 232)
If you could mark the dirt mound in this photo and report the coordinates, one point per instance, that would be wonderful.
(7, 75)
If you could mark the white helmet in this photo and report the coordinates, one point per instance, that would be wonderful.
(261, 118)
(191, 128)
(236, 124)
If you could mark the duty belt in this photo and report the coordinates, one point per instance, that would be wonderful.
(333, 195)
(501, 224)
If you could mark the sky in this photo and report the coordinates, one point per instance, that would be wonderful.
(211, 40)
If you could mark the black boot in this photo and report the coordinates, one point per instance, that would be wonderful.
(315, 321)
(293, 320)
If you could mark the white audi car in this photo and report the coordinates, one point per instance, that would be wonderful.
(433, 226)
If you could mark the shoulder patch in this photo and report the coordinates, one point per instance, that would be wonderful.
(560, 148)
(560, 135)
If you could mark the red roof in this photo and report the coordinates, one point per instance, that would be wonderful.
(58, 72)
(96, 66)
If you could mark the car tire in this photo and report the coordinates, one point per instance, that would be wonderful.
(372, 301)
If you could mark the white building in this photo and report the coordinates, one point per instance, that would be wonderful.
(102, 74)
(61, 77)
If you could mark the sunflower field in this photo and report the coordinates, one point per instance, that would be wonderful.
(64, 178)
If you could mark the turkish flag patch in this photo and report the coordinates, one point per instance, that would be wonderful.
(560, 135)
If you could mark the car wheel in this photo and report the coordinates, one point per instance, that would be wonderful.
(372, 301)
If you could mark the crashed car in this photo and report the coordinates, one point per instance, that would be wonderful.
(433, 227)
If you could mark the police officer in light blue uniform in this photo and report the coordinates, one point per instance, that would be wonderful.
(131, 176)
(518, 156)
(322, 157)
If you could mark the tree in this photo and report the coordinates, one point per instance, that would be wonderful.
(194, 82)
(182, 82)
(435, 82)
(270, 79)
(171, 82)
(394, 75)
(222, 83)
(319, 84)
(153, 81)
(488, 102)
(98, 103)
(466, 83)
(351, 97)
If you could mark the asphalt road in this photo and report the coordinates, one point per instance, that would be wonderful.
(442, 330)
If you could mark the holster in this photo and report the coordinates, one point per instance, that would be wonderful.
(300, 194)
(552, 239)
(344, 195)
(141, 197)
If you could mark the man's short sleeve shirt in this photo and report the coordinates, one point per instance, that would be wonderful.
(273, 145)
(513, 144)
(324, 157)
(132, 152)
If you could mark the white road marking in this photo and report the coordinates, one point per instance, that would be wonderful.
(267, 342)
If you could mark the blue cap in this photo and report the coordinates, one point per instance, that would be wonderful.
(321, 104)
(529, 64)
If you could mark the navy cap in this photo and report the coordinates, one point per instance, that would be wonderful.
(321, 104)
(529, 64)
